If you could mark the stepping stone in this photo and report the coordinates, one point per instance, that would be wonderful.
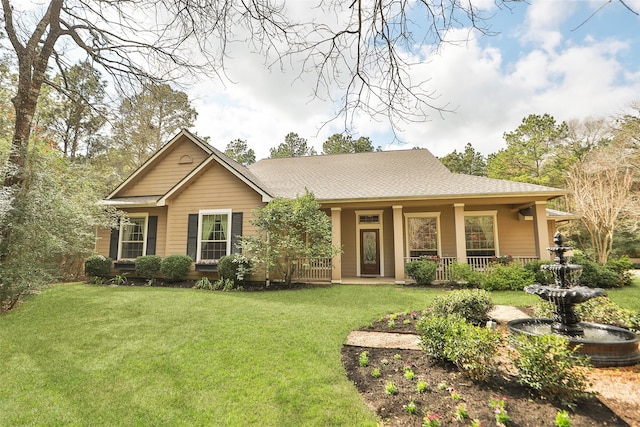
(384, 340)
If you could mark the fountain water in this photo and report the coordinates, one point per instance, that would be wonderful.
(605, 345)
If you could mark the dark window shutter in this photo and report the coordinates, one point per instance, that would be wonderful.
(152, 231)
(113, 243)
(236, 232)
(192, 236)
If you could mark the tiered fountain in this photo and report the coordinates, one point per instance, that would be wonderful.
(605, 345)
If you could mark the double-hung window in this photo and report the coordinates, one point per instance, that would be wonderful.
(214, 234)
(133, 234)
(422, 234)
(480, 231)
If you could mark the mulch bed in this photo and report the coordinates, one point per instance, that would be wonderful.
(523, 408)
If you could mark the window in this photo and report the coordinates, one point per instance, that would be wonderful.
(133, 233)
(480, 234)
(214, 235)
(369, 219)
(422, 235)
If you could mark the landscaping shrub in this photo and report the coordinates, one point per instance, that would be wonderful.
(595, 275)
(597, 310)
(226, 285)
(434, 331)
(510, 277)
(621, 266)
(546, 364)
(148, 266)
(204, 283)
(176, 267)
(464, 275)
(544, 277)
(472, 305)
(97, 266)
(234, 267)
(422, 271)
(471, 348)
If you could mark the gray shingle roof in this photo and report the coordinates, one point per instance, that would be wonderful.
(380, 175)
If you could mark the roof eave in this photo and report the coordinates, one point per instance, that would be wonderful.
(548, 195)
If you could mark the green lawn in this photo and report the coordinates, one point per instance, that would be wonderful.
(83, 355)
(135, 356)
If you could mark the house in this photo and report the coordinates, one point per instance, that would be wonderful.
(385, 207)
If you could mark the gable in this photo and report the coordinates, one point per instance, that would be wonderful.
(165, 169)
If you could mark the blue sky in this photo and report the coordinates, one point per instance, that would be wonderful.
(545, 59)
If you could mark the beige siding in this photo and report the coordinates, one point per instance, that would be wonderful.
(515, 236)
(102, 241)
(160, 177)
(215, 188)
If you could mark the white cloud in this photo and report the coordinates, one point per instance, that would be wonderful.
(492, 88)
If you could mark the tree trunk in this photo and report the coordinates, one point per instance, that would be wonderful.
(33, 58)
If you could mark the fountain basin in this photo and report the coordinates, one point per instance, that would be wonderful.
(605, 345)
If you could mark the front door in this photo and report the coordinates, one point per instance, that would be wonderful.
(369, 252)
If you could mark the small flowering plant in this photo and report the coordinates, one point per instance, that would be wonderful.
(411, 407)
(422, 386)
(500, 411)
(563, 419)
(207, 262)
(409, 374)
(502, 259)
(432, 258)
(431, 420)
(461, 412)
(455, 395)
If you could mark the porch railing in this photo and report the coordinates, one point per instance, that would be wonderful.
(477, 263)
(315, 270)
(319, 270)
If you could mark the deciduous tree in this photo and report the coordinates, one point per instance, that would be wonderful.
(289, 231)
(601, 194)
(360, 57)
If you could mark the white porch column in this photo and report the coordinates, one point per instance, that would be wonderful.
(541, 230)
(398, 244)
(336, 241)
(461, 244)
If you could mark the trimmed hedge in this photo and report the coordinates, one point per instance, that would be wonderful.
(176, 267)
(511, 277)
(97, 266)
(148, 266)
(422, 271)
(473, 305)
